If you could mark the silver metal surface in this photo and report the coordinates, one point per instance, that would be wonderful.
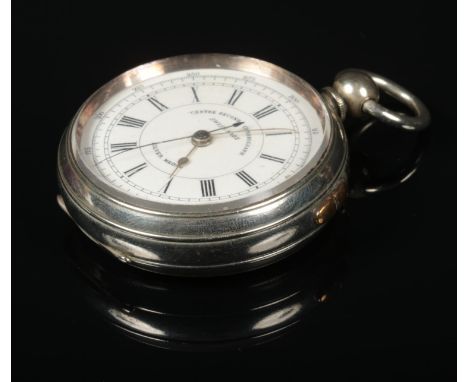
(201, 138)
(359, 89)
(186, 240)
(334, 101)
(355, 88)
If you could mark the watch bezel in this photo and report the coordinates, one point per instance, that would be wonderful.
(156, 68)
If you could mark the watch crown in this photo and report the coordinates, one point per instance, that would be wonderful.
(355, 87)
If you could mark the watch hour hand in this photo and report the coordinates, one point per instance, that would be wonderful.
(183, 161)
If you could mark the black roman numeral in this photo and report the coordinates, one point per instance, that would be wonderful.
(167, 185)
(158, 105)
(283, 133)
(208, 187)
(246, 178)
(265, 111)
(235, 96)
(135, 169)
(116, 147)
(272, 158)
(194, 91)
(131, 122)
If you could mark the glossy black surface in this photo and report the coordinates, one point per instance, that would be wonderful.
(207, 314)
(386, 266)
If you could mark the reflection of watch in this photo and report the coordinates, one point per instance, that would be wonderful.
(206, 314)
(145, 174)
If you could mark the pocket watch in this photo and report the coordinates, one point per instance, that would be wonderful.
(213, 164)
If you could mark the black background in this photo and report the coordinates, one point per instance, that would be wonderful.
(394, 316)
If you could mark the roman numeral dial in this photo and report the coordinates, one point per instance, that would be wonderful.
(118, 147)
(246, 178)
(168, 184)
(131, 122)
(235, 97)
(265, 112)
(195, 94)
(157, 104)
(272, 158)
(208, 187)
(134, 170)
(280, 133)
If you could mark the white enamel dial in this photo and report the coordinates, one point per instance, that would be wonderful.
(203, 136)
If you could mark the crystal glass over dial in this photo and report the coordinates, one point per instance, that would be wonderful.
(199, 137)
